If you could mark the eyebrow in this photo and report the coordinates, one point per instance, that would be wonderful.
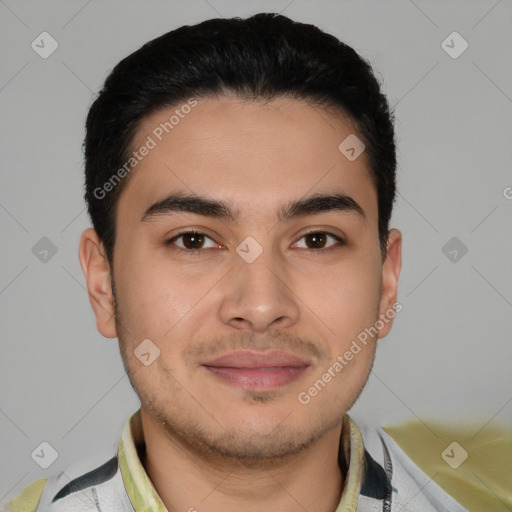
(310, 205)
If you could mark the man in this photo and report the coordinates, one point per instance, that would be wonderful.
(240, 177)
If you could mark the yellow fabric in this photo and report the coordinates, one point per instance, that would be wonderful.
(140, 490)
(28, 499)
(352, 444)
(483, 482)
(143, 495)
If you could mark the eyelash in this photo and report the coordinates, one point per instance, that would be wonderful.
(197, 252)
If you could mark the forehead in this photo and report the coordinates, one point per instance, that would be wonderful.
(252, 154)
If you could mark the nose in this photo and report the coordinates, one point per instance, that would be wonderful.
(259, 295)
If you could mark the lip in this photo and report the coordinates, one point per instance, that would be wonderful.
(258, 359)
(258, 371)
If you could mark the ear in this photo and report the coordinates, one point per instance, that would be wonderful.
(96, 269)
(390, 272)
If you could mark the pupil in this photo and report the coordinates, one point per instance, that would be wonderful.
(317, 239)
(192, 241)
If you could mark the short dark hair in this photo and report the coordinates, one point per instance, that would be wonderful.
(262, 57)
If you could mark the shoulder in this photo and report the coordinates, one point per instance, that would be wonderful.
(440, 467)
(28, 499)
(412, 487)
(100, 488)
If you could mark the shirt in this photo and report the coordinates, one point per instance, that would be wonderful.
(379, 477)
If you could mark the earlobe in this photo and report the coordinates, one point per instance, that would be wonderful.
(97, 275)
(390, 274)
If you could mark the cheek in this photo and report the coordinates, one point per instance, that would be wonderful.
(144, 292)
(157, 300)
(346, 298)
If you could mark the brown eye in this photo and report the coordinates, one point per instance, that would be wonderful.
(319, 240)
(191, 240)
(316, 240)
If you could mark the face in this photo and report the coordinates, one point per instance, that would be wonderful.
(251, 293)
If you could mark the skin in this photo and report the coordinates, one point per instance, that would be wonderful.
(209, 444)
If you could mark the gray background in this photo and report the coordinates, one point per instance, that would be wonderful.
(448, 356)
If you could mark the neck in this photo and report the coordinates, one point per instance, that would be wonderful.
(310, 480)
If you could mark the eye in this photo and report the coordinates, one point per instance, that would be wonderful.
(319, 240)
(192, 240)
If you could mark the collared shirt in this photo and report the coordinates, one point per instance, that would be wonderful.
(379, 477)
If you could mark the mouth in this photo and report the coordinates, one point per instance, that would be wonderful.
(258, 371)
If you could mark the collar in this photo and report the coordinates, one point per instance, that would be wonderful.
(143, 495)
